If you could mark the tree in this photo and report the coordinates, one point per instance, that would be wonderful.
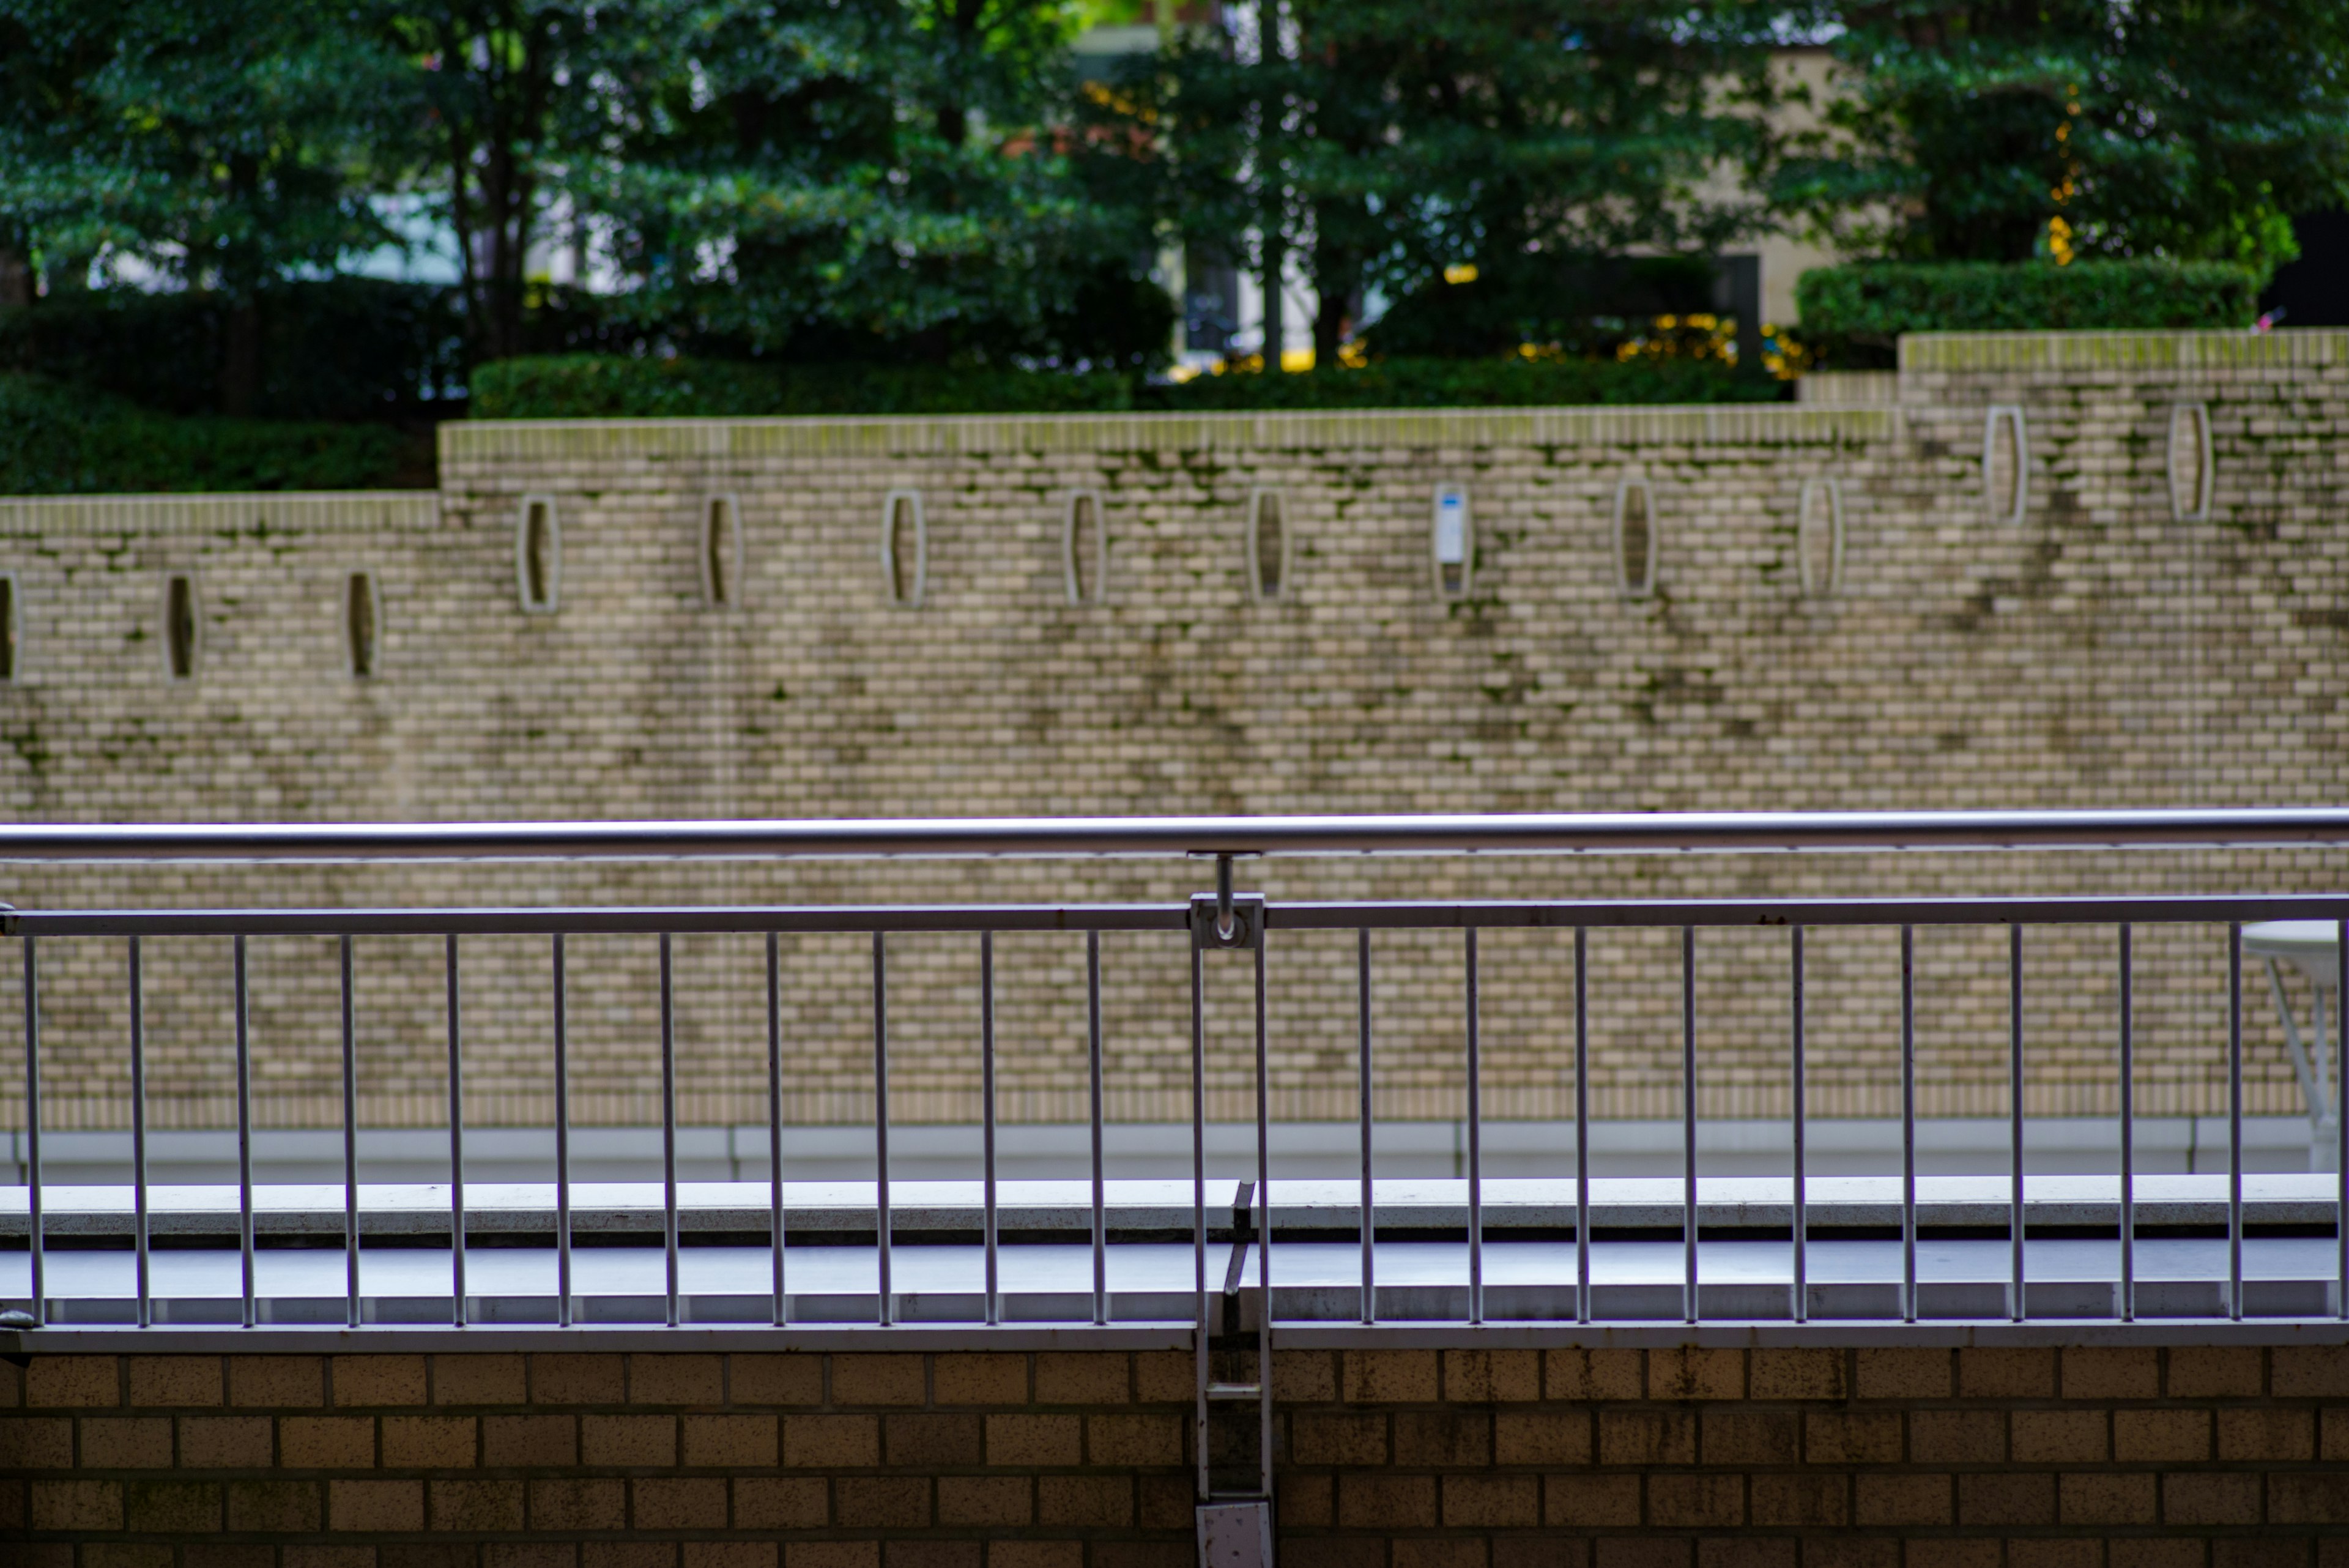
(1393, 138)
(2001, 130)
(894, 179)
(218, 145)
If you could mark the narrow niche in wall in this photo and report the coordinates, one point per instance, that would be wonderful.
(1454, 543)
(9, 633)
(1635, 538)
(2006, 460)
(904, 548)
(1084, 549)
(359, 621)
(1819, 537)
(538, 556)
(1268, 548)
(2189, 462)
(180, 625)
(719, 542)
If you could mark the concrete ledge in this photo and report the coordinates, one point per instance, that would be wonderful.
(319, 511)
(1990, 351)
(550, 440)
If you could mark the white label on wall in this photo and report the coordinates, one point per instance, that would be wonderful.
(1452, 527)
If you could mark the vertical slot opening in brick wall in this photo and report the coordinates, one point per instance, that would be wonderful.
(1453, 544)
(2006, 464)
(180, 625)
(719, 546)
(10, 634)
(1819, 537)
(1635, 538)
(904, 548)
(1268, 548)
(2189, 462)
(538, 555)
(1084, 549)
(360, 622)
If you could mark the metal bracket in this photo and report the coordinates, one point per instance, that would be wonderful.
(1235, 925)
(1230, 921)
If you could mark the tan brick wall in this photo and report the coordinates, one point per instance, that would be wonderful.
(2098, 654)
(2187, 1457)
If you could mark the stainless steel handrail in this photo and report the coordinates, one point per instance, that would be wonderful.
(1235, 925)
(1588, 832)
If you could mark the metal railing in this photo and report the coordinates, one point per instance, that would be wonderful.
(1227, 922)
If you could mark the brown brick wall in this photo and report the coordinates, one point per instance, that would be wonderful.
(2099, 653)
(2099, 1457)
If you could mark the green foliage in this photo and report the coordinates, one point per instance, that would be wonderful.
(1581, 308)
(1874, 303)
(342, 348)
(2185, 128)
(59, 440)
(214, 142)
(594, 386)
(607, 387)
(1475, 383)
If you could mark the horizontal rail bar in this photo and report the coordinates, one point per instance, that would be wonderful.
(1532, 831)
(683, 920)
(1529, 914)
(392, 1337)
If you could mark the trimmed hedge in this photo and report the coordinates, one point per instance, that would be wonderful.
(605, 386)
(337, 349)
(1478, 383)
(1875, 302)
(609, 387)
(56, 439)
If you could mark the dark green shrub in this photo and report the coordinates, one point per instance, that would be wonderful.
(1871, 304)
(56, 439)
(602, 386)
(339, 349)
(1475, 383)
(1586, 306)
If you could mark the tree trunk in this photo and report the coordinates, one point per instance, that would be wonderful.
(1276, 260)
(16, 278)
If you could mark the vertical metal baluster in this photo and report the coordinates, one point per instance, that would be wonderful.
(2235, 1119)
(669, 1123)
(881, 1121)
(1909, 1124)
(244, 1130)
(1263, 1223)
(561, 1137)
(1475, 1146)
(1094, 1069)
(1800, 1214)
(2341, 1106)
(139, 1133)
(1199, 1200)
(2129, 1136)
(1362, 1075)
(1581, 1124)
(776, 1227)
(350, 1141)
(1688, 1123)
(2016, 1306)
(40, 1301)
(456, 1138)
(986, 1122)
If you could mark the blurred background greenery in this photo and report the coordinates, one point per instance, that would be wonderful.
(266, 243)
